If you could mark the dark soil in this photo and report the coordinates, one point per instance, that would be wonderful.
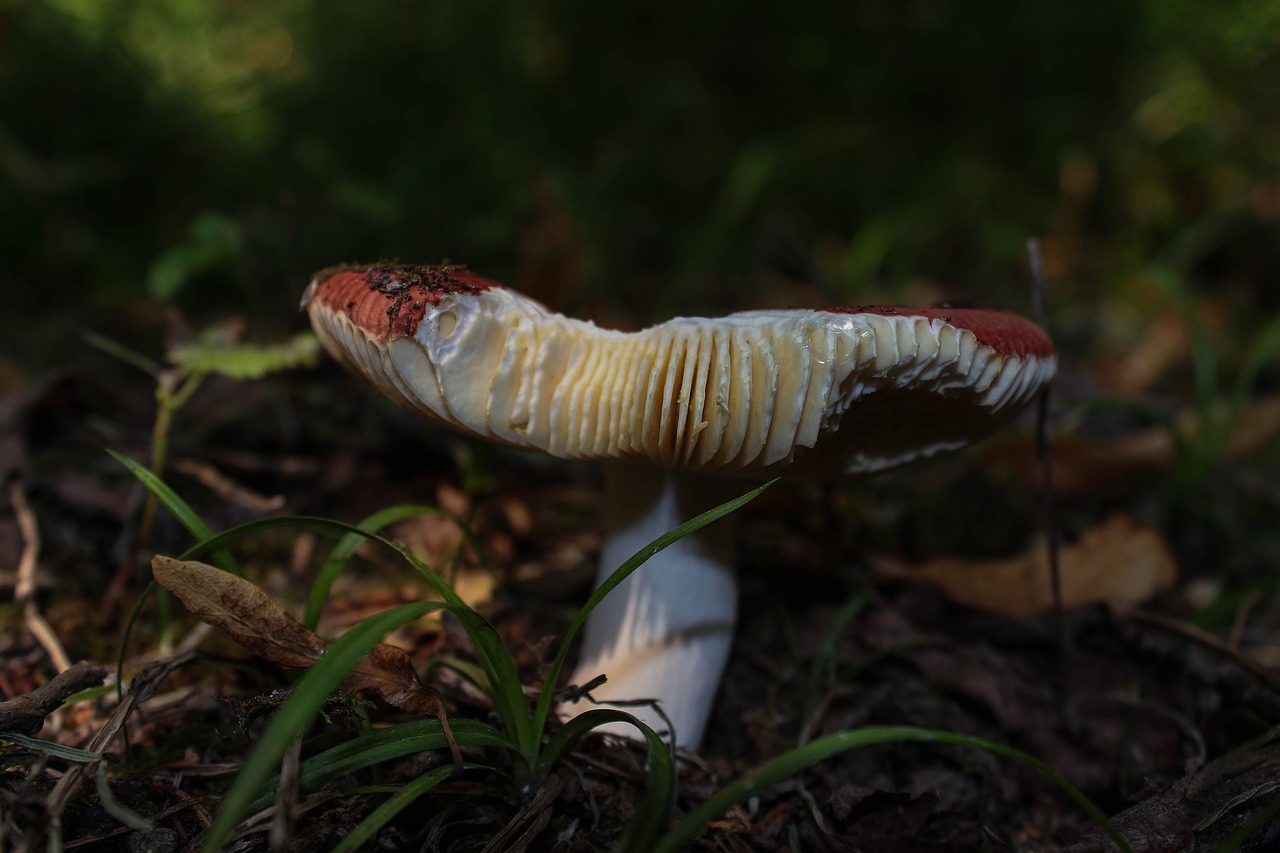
(1152, 720)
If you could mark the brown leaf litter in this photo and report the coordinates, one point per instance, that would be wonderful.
(1119, 562)
(251, 618)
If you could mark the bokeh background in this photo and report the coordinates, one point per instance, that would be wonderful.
(635, 159)
(173, 166)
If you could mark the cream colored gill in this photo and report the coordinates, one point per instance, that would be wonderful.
(743, 391)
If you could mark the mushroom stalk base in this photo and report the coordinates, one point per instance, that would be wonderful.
(665, 632)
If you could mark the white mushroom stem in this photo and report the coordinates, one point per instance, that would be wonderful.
(665, 632)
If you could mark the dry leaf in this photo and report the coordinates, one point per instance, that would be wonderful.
(241, 609)
(1163, 343)
(253, 620)
(1119, 562)
(387, 671)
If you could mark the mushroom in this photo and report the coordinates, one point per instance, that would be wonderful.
(753, 394)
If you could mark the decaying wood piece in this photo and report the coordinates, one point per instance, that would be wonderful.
(25, 714)
(1199, 812)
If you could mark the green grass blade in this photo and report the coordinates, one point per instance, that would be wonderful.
(385, 813)
(823, 655)
(505, 689)
(475, 674)
(506, 692)
(382, 745)
(54, 750)
(622, 573)
(659, 799)
(790, 763)
(186, 516)
(330, 527)
(1204, 358)
(134, 615)
(347, 545)
(123, 353)
(297, 712)
(1261, 353)
(654, 808)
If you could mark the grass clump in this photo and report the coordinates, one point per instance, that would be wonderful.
(531, 747)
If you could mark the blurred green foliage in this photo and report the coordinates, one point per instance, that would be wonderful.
(644, 157)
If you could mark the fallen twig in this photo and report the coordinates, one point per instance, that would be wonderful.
(25, 714)
(24, 591)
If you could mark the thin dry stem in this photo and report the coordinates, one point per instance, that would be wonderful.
(25, 588)
(1246, 661)
(227, 488)
(280, 835)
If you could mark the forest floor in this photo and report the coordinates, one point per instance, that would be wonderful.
(1153, 696)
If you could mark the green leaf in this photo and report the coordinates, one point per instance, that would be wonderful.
(506, 691)
(54, 750)
(241, 361)
(185, 515)
(1262, 352)
(349, 543)
(790, 763)
(381, 745)
(214, 240)
(385, 813)
(125, 354)
(654, 808)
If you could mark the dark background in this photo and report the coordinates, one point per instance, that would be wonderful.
(172, 166)
(631, 160)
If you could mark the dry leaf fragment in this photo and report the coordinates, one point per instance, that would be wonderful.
(255, 621)
(1119, 562)
(1162, 344)
(241, 609)
(387, 671)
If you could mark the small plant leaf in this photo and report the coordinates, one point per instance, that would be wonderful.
(654, 807)
(381, 745)
(790, 763)
(349, 543)
(543, 708)
(54, 750)
(241, 361)
(125, 354)
(186, 516)
(398, 802)
(215, 240)
(506, 692)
